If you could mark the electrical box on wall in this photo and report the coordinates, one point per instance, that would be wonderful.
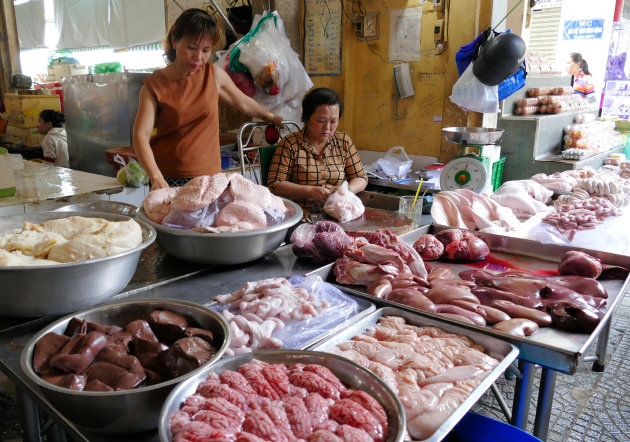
(367, 26)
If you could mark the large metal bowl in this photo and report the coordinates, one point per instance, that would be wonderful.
(472, 135)
(30, 291)
(100, 206)
(351, 374)
(227, 247)
(119, 412)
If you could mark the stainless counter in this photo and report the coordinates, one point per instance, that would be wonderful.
(38, 182)
(158, 277)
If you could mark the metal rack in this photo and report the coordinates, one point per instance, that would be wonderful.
(244, 142)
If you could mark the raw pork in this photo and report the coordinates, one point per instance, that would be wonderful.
(321, 242)
(343, 205)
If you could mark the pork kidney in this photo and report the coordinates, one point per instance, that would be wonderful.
(462, 246)
(429, 247)
(579, 263)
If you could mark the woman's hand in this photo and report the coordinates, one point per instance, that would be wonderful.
(319, 194)
(159, 183)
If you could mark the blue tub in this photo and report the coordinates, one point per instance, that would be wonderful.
(477, 428)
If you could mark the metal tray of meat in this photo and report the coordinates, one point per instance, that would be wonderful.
(497, 348)
(365, 307)
(351, 374)
(552, 348)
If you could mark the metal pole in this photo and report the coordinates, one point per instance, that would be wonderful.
(602, 345)
(545, 400)
(30, 417)
(522, 395)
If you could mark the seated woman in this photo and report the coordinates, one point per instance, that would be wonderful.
(308, 165)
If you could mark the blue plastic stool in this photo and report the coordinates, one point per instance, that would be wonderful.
(477, 428)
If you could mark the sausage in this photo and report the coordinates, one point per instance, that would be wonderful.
(457, 317)
(450, 308)
(519, 311)
(517, 327)
(380, 288)
(412, 298)
(490, 314)
(445, 294)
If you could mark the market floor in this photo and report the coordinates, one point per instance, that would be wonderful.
(588, 406)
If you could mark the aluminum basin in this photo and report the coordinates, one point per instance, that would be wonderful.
(226, 247)
(351, 374)
(128, 411)
(31, 291)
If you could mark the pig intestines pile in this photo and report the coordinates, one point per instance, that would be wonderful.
(276, 402)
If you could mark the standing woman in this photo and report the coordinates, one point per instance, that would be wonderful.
(582, 79)
(55, 143)
(308, 165)
(182, 102)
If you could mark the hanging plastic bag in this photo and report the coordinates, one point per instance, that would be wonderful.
(265, 53)
(472, 95)
(468, 53)
(131, 174)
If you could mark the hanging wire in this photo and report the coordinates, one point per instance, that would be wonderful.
(507, 15)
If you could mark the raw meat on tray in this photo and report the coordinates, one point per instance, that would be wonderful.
(278, 402)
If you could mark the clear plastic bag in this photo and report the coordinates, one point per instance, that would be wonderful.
(343, 205)
(131, 174)
(297, 334)
(265, 53)
(472, 95)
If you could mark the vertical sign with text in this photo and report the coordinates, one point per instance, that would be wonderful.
(322, 37)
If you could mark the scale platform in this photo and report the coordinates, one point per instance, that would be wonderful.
(474, 172)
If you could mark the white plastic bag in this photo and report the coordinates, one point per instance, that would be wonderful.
(472, 95)
(395, 164)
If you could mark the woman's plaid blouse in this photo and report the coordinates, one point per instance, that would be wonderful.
(295, 160)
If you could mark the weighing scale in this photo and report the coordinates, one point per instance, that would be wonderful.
(469, 171)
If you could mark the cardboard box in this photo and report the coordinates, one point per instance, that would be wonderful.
(23, 110)
(27, 135)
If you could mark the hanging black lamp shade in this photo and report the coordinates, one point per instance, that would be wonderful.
(499, 58)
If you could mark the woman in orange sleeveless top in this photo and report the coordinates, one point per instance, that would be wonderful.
(182, 102)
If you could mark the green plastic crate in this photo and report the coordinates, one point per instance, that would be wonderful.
(497, 173)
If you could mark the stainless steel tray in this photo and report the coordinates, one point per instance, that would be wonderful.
(348, 372)
(501, 350)
(552, 348)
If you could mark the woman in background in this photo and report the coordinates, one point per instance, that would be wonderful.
(308, 165)
(182, 102)
(55, 144)
(582, 78)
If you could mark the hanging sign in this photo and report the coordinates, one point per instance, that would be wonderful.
(583, 29)
(544, 4)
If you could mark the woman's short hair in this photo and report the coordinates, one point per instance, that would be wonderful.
(52, 116)
(577, 58)
(193, 22)
(317, 97)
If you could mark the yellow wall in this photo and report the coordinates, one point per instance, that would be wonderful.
(367, 85)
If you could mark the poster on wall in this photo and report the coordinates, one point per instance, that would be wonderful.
(322, 37)
(583, 29)
(404, 34)
(617, 100)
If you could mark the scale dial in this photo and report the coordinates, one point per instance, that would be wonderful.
(464, 173)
